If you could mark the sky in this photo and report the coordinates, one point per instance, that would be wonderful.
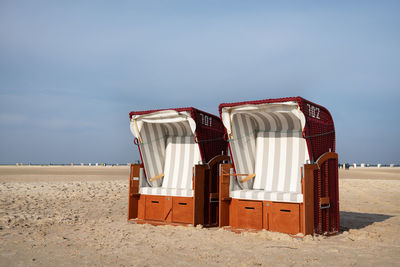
(71, 71)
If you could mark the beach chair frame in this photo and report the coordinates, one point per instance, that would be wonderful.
(318, 211)
(202, 207)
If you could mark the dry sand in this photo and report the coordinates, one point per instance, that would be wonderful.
(51, 216)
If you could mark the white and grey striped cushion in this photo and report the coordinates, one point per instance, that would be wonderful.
(182, 153)
(243, 145)
(177, 128)
(267, 196)
(245, 126)
(269, 144)
(279, 158)
(166, 191)
(153, 150)
(154, 137)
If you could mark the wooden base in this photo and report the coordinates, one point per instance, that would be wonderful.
(166, 209)
(201, 209)
(318, 214)
(272, 216)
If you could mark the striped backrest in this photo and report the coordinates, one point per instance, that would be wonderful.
(279, 157)
(177, 129)
(181, 154)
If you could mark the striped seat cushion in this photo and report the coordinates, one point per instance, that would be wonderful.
(267, 196)
(166, 191)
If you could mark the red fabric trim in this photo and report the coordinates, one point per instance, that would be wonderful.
(257, 102)
(189, 109)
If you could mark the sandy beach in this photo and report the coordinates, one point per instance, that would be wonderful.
(64, 216)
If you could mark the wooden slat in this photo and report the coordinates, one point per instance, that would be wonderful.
(308, 199)
(224, 199)
(198, 191)
(133, 191)
(157, 177)
(245, 179)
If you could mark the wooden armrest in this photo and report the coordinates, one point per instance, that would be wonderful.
(157, 177)
(245, 179)
(237, 174)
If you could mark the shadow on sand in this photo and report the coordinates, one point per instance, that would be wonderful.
(357, 220)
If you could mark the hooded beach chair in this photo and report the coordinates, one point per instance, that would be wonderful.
(174, 183)
(284, 172)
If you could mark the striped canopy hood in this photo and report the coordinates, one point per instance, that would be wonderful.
(157, 134)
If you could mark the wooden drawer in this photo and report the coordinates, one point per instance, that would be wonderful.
(284, 218)
(248, 215)
(155, 206)
(182, 209)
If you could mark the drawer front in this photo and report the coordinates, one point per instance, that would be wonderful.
(155, 208)
(182, 209)
(249, 214)
(285, 218)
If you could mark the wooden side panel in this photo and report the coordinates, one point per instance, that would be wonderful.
(182, 209)
(198, 190)
(233, 213)
(133, 191)
(285, 218)
(301, 217)
(224, 199)
(308, 199)
(247, 214)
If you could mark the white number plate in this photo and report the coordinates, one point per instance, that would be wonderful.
(206, 120)
(313, 111)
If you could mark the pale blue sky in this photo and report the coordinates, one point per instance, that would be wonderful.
(70, 72)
